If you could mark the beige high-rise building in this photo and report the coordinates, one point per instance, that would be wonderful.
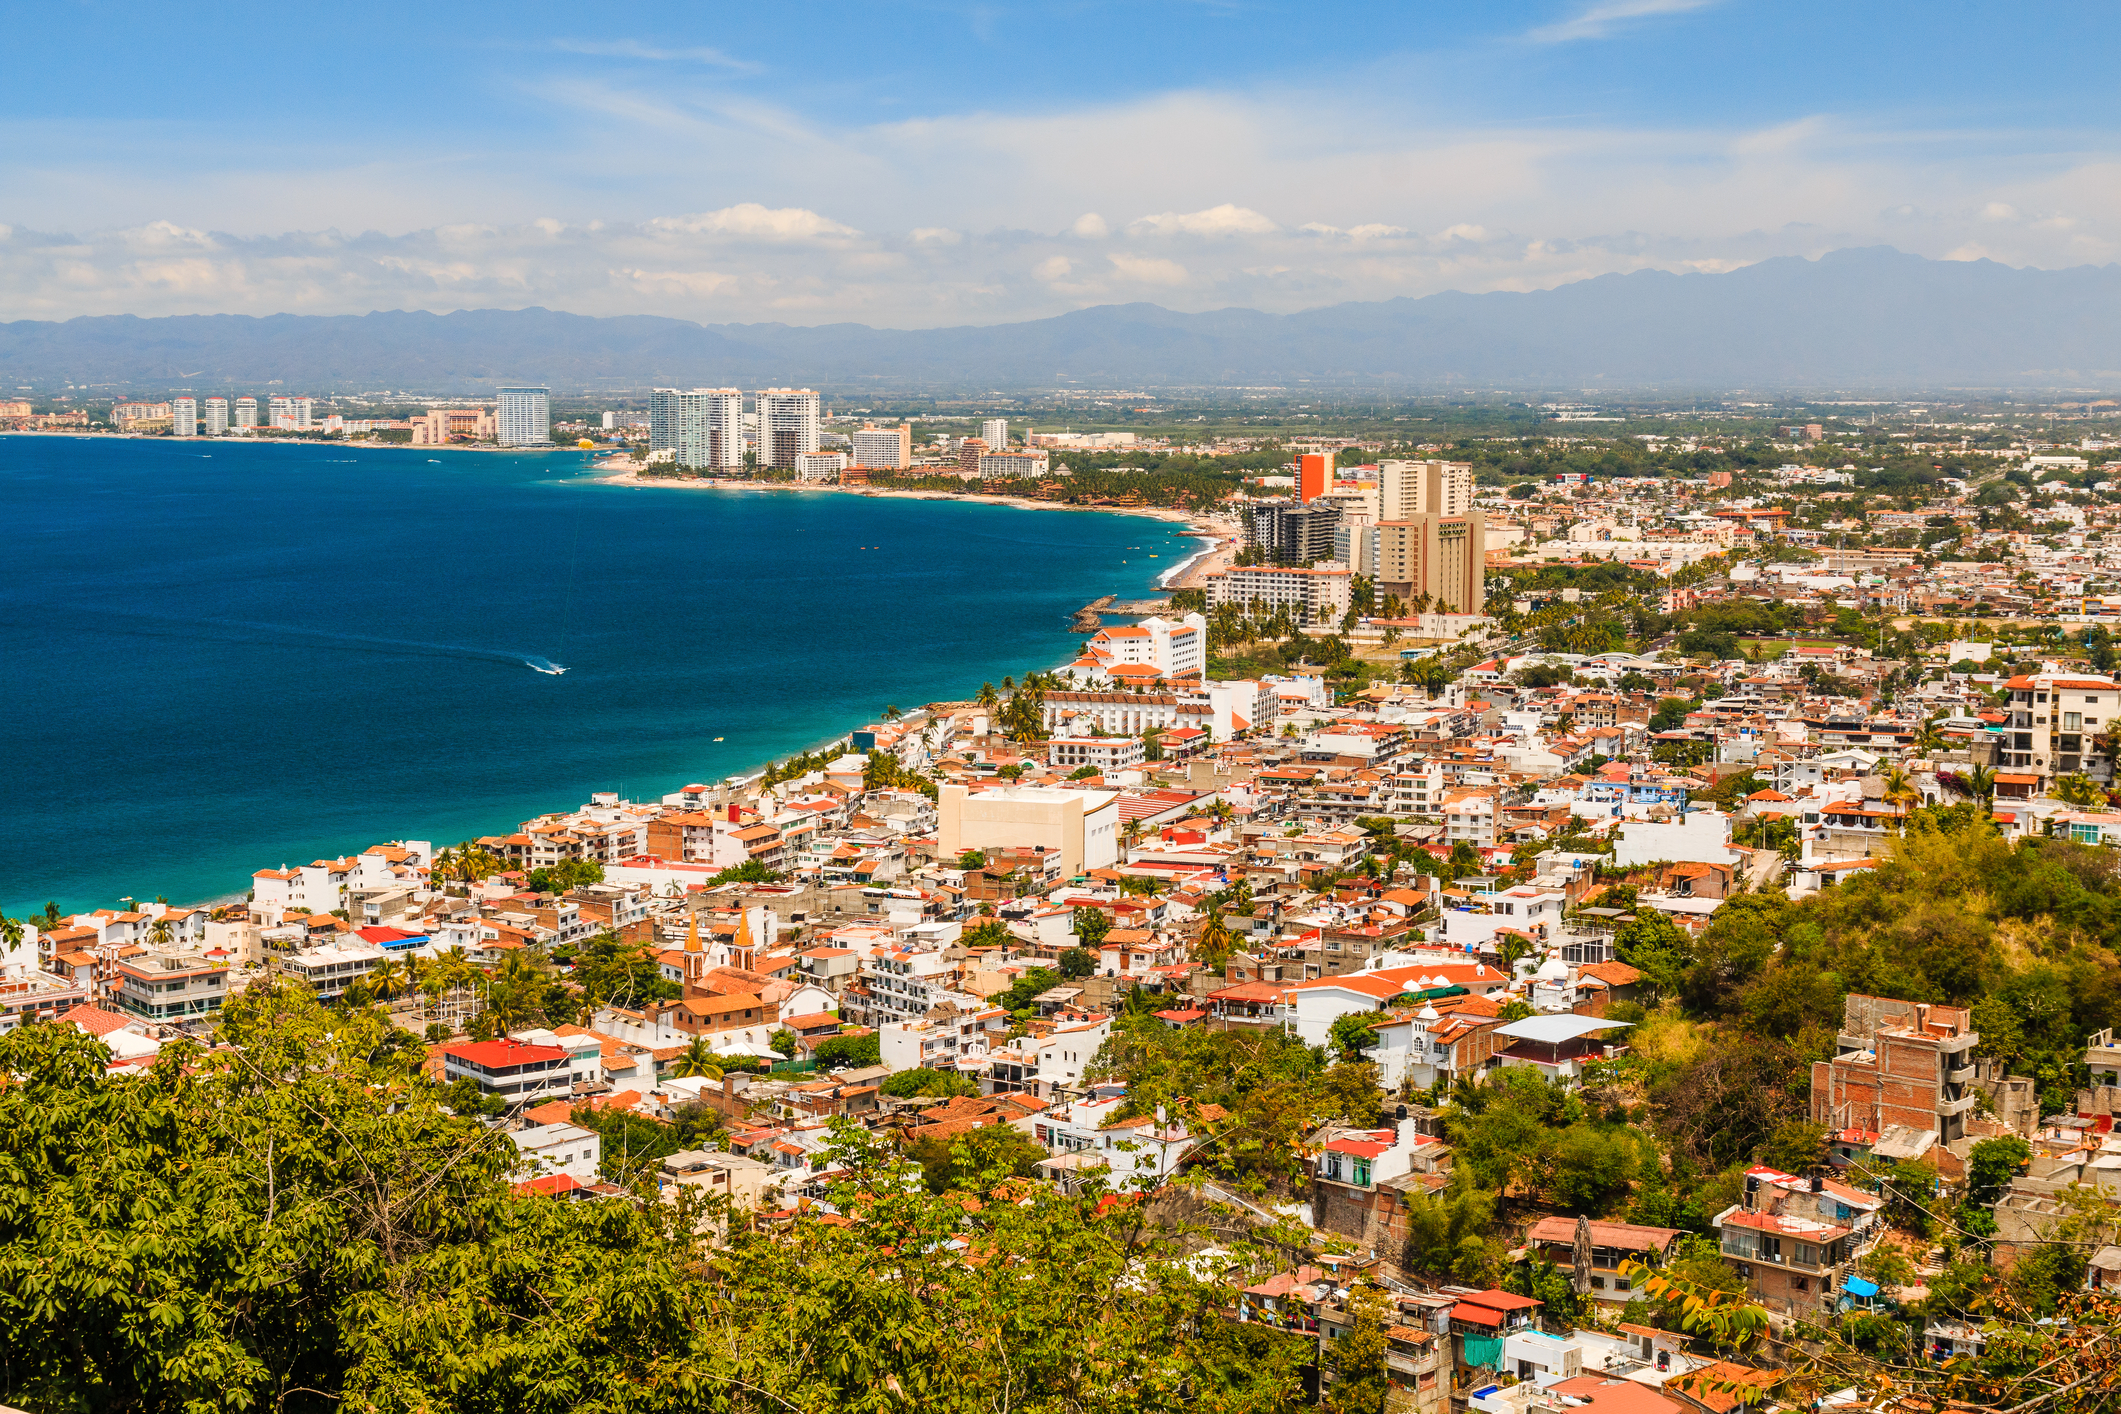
(1442, 558)
(884, 448)
(1409, 489)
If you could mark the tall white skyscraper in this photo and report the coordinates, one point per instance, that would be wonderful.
(884, 448)
(523, 417)
(663, 420)
(246, 412)
(184, 417)
(216, 416)
(711, 428)
(995, 433)
(788, 424)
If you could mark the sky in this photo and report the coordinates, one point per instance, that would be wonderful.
(916, 165)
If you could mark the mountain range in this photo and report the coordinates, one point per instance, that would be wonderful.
(1872, 318)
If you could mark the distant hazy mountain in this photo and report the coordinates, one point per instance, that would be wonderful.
(1855, 318)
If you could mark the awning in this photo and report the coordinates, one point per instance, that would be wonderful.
(1857, 1286)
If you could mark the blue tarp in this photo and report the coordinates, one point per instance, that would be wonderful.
(1857, 1286)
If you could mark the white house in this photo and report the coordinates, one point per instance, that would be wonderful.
(1083, 1138)
(1067, 1051)
(1314, 1006)
(1697, 837)
(560, 1148)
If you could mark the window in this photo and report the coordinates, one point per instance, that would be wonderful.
(1362, 1171)
(2071, 721)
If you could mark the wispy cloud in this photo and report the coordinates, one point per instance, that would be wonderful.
(1602, 19)
(634, 49)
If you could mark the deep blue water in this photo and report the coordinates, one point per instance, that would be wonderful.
(219, 658)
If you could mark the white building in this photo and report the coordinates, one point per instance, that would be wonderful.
(1319, 592)
(246, 412)
(995, 432)
(1103, 754)
(291, 414)
(184, 417)
(663, 420)
(560, 1148)
(884, 448)
(1006, 466)
(824, 467)
(789, 420)
(1314, 1006)
(1067, 1052)
(1176, 650)
(1697, 837)
(523, 417)
(216, 416)
(710, 428)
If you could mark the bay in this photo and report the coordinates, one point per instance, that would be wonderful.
(218, 657)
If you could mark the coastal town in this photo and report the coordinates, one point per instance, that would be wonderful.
(1540, 921)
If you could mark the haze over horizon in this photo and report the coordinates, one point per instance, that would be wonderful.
(922, 168)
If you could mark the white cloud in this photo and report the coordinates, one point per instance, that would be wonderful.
(1600, 20)
(1273, 201)
(1223, 220)
(1149, 270)
(752, 221)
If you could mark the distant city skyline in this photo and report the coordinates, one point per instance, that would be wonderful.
(1197, 157)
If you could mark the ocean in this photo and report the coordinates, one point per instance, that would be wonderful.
(222, 657)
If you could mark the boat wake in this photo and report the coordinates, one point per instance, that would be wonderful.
(155, 625)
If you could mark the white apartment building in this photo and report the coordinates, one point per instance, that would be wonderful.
(246, 412)
(184, 417)
(1006, 466)
(216, 416)
(1470, 818)
(1319, 592)
(1125, 713)
(523, 417)
(1103, 754)
(820, 466)
(1067, 1052)
(662, 420)
(1080, 1136)
(292, 414)
(995, 432)
(2055, 721)
(1176, 650)
(710, 428)
(884, 448)
(789, 421)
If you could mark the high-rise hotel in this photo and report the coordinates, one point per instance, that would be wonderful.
(790, 421)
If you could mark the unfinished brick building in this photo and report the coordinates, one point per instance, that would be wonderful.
(1903, 1081)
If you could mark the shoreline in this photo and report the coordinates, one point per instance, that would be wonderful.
(1207, 525)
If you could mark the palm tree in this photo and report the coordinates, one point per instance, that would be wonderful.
(387, 978)
(1982, 782)
(1898, 790)
(1511, 947)
(160, 935)
(699, 1060)
(2079, 790)
(11, 931)
(1214, 944)
(1928, 739)
(987, 696)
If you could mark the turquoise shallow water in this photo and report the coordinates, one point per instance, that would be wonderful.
(217, 658)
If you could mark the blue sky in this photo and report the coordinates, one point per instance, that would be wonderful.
(934, 164)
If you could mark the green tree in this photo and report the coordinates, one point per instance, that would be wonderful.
(698, 1061)
(939, 1084)
(848, 1052)
(1361, 1376)
(784, 1041)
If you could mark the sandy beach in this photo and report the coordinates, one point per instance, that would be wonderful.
(1216, 528)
